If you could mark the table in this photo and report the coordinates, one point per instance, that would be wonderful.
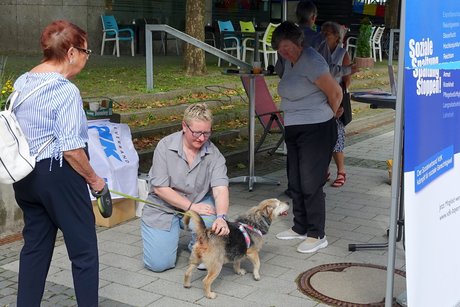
(376, 99)
(251, 179)
(136, 29)
(381, 100)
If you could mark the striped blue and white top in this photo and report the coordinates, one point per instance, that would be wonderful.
(54, 110)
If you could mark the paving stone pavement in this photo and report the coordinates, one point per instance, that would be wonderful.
(356, 213)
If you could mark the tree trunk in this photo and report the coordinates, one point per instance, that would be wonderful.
(392, 14)
(194, 58)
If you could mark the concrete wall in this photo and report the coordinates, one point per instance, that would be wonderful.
(10, 214)
(22, 21)
(21, 24)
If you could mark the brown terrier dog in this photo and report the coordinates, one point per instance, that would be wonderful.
(244, 240)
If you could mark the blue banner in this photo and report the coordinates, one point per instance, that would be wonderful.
(432, 81)
(431, 149)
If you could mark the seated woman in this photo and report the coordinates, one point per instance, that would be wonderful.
(188, 173)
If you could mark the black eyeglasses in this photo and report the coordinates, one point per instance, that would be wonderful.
(197, 134)
(87, 51)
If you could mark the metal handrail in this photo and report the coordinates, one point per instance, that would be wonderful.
(149, 28)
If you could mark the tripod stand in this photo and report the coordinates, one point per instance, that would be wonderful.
(382, 101)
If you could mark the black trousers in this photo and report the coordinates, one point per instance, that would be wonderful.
(52, 200)
(309, 151)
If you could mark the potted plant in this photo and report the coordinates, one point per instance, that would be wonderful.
(363, 48)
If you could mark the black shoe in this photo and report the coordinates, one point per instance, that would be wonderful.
(104, 201)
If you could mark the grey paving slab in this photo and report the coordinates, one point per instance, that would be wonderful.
(171, 302)
(227, 301)
(125, 277)
(270, 298)
(176, 290)
(120, 248)
(128, 295)
(122, 262)
(231, 288)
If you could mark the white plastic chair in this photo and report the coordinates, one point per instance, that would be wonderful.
(111, 33)
(370, 39)
(247, 27)
(376, 43)
(230, 41)
(267, 49)
(266, 46)
(351, 46)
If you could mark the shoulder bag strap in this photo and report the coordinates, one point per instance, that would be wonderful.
(28, 95)
(14, 97)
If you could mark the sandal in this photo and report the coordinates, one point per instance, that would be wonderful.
(340, 180)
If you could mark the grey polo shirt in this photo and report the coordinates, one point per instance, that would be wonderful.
(301, 100)
(170, 169)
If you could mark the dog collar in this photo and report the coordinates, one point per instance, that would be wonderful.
(267, 223)
(242, 227)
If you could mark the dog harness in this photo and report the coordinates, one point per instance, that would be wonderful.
(243, 228)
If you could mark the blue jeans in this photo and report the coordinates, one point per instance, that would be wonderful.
(160, 246)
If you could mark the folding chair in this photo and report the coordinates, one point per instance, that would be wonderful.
(266, 111)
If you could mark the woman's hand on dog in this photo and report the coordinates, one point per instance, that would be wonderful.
(203, 209)
(220, 227)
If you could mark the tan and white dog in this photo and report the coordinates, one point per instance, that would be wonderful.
(244, 240)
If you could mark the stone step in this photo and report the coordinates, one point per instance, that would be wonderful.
(172, 110)
(167, 128)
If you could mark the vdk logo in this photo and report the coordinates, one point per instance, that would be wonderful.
(106, 139)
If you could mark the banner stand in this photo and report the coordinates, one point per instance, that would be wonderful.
(397, 171)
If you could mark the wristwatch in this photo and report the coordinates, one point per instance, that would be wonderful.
(222, 216)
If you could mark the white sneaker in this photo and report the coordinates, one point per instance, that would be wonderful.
(311, 245)
(289, 235)
(201, 267)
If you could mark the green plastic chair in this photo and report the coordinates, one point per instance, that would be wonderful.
(265, 46)
(247, 27)
(248, 40)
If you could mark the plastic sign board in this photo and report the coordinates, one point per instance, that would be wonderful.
(432, 152)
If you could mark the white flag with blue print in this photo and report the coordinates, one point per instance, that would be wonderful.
(112, 155)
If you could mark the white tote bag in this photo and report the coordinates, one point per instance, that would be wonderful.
(113, 157)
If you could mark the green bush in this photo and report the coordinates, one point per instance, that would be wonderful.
(6, 88)
(363, 47)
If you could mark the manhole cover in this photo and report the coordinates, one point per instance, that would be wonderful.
(349, 284)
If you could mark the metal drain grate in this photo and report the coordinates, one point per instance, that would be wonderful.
(307, 287)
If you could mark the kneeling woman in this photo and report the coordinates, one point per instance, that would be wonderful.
(188, 173)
